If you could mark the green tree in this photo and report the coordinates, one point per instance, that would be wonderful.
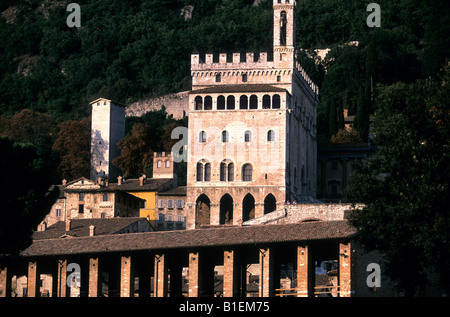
(25, 195)
(404, 188)
(73, 148)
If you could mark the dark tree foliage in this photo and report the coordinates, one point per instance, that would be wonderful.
(25, 194)
(405, 186)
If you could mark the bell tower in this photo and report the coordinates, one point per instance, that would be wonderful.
(283, 33)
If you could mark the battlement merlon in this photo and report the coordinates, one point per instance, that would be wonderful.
(262, 63)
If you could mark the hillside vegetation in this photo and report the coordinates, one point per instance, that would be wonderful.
(129, 50)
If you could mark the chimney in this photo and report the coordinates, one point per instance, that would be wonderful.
(68, 224)
(91, 230)
(64, 182)
(141, 180)
(119, 180)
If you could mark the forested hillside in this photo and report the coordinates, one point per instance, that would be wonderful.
(128, 50)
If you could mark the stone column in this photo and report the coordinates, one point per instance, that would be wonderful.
(126, 277)
(266, 273)
(303, 271)
(61, 290)
(229, 274)
(5, 282)
(345, 269)
(94, 278)
(32, 279)
(194, 274)
(160, 281)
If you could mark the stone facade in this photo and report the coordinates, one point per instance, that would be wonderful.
(84, 198)
(252, 135)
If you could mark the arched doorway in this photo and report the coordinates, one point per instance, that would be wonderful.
(270, 204)
(248, 207)
(226, 210)
(202, 210)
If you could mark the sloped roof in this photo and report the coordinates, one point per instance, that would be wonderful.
(238, 88)
(150, 184)
(215, 237)
(80, 227)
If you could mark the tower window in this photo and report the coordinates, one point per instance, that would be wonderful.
(243, 102)
(208, 103)
(202, 137)
(247, 136)
(221, 103)
(244, 78)
(199, 172)
(223, 172)
(207, 172)
(230, 172)
(247, 173)
(218, 78)
(230, 102)
(266, 102)
(225, 136)
(271, 136)
(253, 102)
(198, 103)
(283, 23)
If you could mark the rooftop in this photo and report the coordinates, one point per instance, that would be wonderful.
(238, 89)
(215, 237)
(80, 227)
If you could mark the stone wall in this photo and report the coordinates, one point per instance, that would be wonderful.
(176, 104)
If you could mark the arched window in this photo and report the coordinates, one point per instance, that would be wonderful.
(270, 204)
(221, 103)
(223, 172)
(230, 172)
(105, 197)
(266, 102)
(225, 136)
(248, 207)
(230, 103)
(226, 210)
(243, 102)
(202, 137)
(276, 102)
(199, 172)
(207, 172)
(202, 211)
(247, 136)
(271, 136)
(208, 103)
(283, 28)
(198, 103)
(247, 173)
(253, 102)
(158, 164)
(167, 163)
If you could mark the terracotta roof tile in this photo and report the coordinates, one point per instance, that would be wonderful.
(227, 236)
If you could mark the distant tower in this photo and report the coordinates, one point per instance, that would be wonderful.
(283, 33)
(108, 128)
(164, 167)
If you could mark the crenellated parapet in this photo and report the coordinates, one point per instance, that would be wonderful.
(223, 63)
(306, 79)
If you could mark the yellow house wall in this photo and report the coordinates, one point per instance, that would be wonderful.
(150, 204)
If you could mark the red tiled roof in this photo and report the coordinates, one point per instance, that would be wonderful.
(221, 236)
